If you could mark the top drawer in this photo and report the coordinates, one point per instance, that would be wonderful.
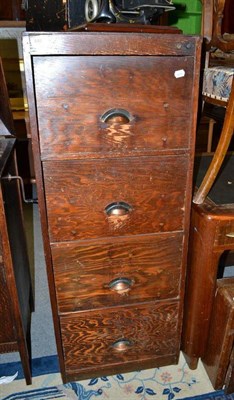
(108, 105)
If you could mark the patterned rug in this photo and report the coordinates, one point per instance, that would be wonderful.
(166, 383)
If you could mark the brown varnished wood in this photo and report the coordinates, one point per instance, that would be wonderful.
(213, 13)
(11, 10)
(40, 193)
(70, 118)
(120, 368)
(77, 193)
(7, 335)
(217, 38)
(229, 379)
(83, 272)
(104, 27)
(15, 282)
(207, 20)
(217, 358)
(209, 226)
(200, 287)
(79, 171)
(212, 32)
(220, 152)
(6, 119)
(225, 234)
(111, 43)
(153, 334)
(17, 239)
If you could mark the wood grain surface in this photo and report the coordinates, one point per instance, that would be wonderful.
(142, 157)
(84, 271)
(77, 193)
(88, 337)
(70, 110)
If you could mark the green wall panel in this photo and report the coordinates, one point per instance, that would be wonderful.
(187, 16)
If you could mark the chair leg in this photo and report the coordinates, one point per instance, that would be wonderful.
(210, 134)
(220, 152)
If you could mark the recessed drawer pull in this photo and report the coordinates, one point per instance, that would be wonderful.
(116, 115)
(230, 235)
(122, 345)
(118, 208)
(120, 285)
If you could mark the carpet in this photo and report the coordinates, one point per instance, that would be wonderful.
(166, 383)
(218, 395)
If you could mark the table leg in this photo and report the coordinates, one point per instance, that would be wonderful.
(200, 289)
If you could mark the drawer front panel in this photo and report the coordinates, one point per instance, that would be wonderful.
(225, 233)
(119, 335)
(80, 195)
(96, 275)
(72, 101)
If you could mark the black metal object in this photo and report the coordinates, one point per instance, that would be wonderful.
(58, 15)
(116, 11)
(45, 15)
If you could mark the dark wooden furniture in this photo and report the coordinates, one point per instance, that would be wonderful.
(104, 27)
(15, 283)
(46, 15)
(211, 234)
(212, 32)
(11, 10)
(6, 121)
(212, 222)
(113, 120)
(219, 356)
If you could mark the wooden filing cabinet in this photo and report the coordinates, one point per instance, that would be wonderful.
(113, 119)
(15, 283)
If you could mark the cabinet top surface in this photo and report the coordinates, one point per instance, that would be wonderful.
(113, 43)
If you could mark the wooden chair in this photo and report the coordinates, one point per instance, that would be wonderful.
(218, 85)
(212, 219)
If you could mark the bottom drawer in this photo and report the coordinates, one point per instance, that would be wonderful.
(121, 335)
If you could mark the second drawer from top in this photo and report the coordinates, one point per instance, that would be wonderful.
(115, 197)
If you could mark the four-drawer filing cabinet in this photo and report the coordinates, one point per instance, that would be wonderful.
(113, 120)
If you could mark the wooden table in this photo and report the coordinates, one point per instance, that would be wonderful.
(211, 234)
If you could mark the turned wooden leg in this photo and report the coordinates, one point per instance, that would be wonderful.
(210, 134)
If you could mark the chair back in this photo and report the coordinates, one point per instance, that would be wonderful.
(219, 88)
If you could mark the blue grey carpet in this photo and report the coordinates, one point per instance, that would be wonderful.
(218, 395)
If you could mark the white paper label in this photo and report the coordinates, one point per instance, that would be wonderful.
(180, 73)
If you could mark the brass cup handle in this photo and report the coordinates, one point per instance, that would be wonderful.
(116, 115)
(122, 345)
(120, 285)
(118, 208)
(230, 235)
